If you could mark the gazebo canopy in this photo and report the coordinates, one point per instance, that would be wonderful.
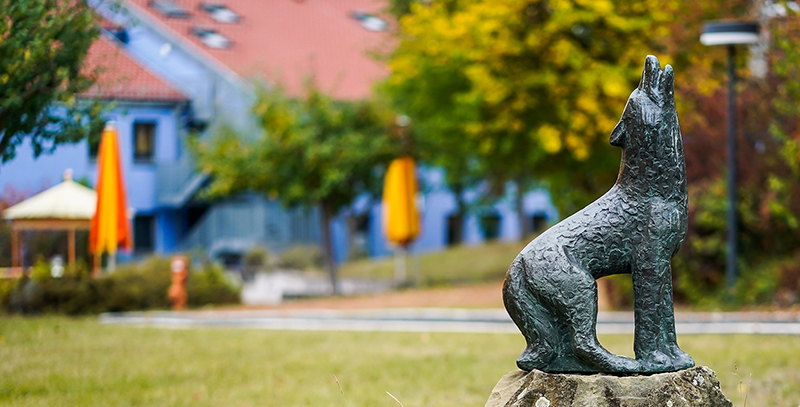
(67, 201)
(67, 206)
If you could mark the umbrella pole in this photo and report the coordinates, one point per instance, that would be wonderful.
(401, 263)
(112, 261)
(96, 266)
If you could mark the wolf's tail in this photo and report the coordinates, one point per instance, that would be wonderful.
(530, 316)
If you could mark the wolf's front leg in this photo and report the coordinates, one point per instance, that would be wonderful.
(578, 306)
(654, 337)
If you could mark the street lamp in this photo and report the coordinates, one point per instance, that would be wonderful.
(730, 33)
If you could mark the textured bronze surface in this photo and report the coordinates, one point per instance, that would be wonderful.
(635, 228)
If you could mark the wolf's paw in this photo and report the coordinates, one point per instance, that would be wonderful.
(622, 364)
(680, 359)
(656, 361)
(533, 359)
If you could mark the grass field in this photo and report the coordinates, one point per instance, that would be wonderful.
(57, 361)
(455, 265)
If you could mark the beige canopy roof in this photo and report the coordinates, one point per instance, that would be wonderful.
(67, 200)
(67, 206)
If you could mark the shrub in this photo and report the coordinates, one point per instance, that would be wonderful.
(209, 286)
(255, 260)
(7, 286)
(302, 257)
(139, 286)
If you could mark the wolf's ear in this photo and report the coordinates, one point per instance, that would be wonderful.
(667, 87)
(650, 76)
(619, 135)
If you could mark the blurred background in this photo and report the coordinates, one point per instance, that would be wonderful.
(394, 153)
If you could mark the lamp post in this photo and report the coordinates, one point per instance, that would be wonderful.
(731, 33)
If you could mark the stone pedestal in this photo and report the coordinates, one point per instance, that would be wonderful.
(697, 386)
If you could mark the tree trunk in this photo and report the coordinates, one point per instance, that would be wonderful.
(524, 227)
(327, 246)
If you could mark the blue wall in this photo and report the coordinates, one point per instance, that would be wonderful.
(29, 175)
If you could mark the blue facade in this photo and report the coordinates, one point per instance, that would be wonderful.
(169, 217)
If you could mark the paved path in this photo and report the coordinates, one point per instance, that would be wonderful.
(444, 320)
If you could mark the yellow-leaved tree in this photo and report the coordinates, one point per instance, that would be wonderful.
(523, 91)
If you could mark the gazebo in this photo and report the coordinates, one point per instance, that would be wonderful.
(67, 206)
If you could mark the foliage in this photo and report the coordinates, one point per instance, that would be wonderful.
(140, 286)
(768, 172)
(257, 257)
(42, 47)
(312, 151)
(210, 286)
(523, 90)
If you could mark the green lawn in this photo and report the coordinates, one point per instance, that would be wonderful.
(57, 361)
(455, 265)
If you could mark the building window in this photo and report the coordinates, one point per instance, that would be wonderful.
(169, 8)
(220, 13)
(369, 21)
(144, 142)
(455, 229)
(538, 222)
(490, 224)
(211, 38)
(144, 234)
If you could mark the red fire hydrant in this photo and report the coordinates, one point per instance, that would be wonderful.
(177, 291)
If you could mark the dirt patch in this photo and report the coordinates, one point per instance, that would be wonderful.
(486, 295)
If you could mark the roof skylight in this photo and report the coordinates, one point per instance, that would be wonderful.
(169, 8)
(211, 38)
(220, 13)
(370, 22)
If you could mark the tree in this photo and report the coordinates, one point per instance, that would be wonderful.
(768, 163)
(42, 47)
(523, 90)
(312, 151)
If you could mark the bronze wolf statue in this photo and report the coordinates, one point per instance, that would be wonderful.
(635, 228)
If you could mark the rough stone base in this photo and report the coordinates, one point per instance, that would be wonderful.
(697, 386)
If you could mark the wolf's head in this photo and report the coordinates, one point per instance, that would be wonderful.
(649, 134)
(650, 107)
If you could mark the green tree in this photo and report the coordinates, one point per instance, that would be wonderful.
(313, 151)
(42, 47)
(523, 90)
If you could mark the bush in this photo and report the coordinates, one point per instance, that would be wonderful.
(302, 257)
(209, 286)
(139, 286)
(255, 260)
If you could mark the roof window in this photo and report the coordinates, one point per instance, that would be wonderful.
(211, 38)
(220, 13)
(369, 22)
(169, 8)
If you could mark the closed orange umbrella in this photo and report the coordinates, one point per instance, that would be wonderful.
(401, 219)
(400, 211)
(110, 228)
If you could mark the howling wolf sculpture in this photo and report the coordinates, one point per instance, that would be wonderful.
(635, 228)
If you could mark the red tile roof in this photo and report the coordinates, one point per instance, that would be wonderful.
(120, 77)
(287, 41)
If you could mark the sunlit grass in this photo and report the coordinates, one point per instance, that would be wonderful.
(455, 265)
(65, 362)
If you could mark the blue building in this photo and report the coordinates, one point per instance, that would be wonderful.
(173, 67)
